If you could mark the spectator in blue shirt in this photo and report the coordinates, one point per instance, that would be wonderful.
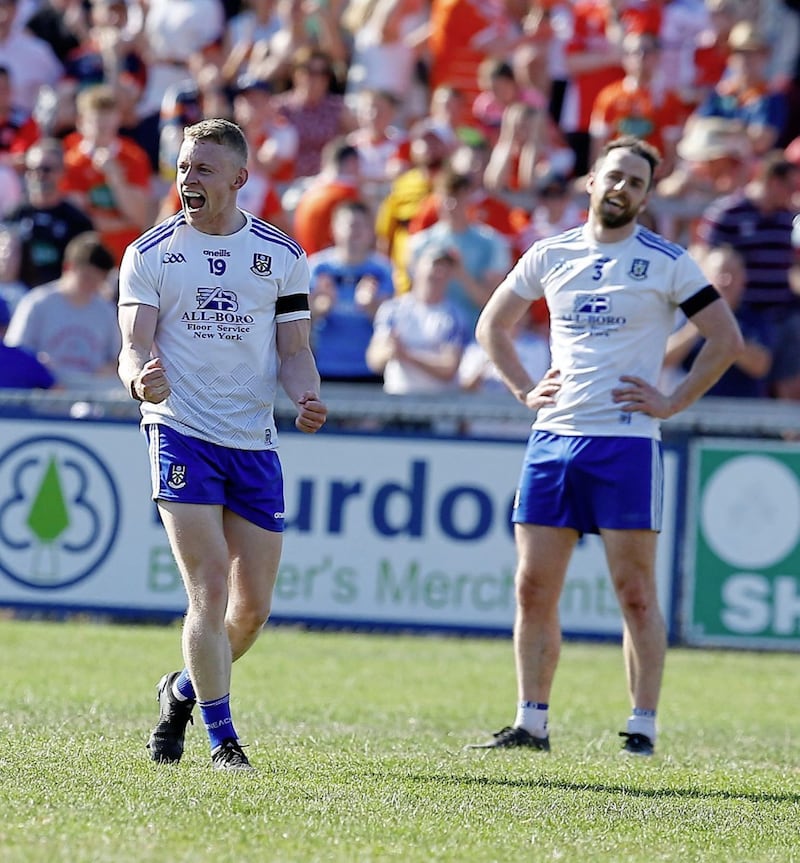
(349, 280)
(744, 93)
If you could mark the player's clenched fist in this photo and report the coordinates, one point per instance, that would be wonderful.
(151, 384)
(312, 413)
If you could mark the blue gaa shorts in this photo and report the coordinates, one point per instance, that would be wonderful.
(588, 483)
(189, 470)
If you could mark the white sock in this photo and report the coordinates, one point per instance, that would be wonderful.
(532, 716)
(642, 721)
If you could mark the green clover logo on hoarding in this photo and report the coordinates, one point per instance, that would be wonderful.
(59, 512)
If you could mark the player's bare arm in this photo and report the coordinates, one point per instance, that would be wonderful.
(494, 333)
(723, 344)
(144, 376)
(299, 376)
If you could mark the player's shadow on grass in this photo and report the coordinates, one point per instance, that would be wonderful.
(603, 788)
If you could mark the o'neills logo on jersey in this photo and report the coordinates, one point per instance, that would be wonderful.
(262, 265)
(638, 268)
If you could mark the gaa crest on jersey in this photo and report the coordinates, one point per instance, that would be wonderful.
(638, 268)
(262, 265)
(217, 299)
(176, 478)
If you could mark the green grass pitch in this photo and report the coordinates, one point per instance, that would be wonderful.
(358, 740)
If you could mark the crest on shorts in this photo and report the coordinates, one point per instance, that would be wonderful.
(638, 268)
(262, 265)
(177, 476)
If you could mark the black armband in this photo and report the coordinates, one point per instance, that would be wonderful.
(134, 395)
(291, 303)
(704, 297)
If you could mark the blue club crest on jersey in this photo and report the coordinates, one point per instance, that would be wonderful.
(638, 268)
(217, 300)
(262, 265)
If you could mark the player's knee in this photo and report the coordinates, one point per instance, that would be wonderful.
(637, 599)
(534, 595)
(248, 621)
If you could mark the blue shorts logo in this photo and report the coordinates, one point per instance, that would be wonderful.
(59, 512)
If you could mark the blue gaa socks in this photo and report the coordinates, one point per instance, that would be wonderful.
(182, 688)
(217, 720)
(532, 716)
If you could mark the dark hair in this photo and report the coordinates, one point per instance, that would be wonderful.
(219, 131)
(638, 147)
(338, 151)
(453, 183)
(775, 164)
(86, 250)
(352, 206)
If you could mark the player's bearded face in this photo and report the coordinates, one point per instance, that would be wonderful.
(619, 189)
(615, 209)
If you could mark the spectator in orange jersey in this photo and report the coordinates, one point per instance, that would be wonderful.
(594, 59)
(463, 33)
(106, 175)
(338, 181)
(641, 104)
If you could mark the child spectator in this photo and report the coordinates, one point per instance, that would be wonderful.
(419, 337)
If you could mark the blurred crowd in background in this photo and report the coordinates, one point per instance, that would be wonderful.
(415, 148)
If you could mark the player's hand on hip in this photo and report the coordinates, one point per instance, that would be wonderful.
(312, 413)
(545, 392)
(636, 395)
(151, 382)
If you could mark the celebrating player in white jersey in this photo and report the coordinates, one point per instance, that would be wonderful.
(214, 313)
(593, 462)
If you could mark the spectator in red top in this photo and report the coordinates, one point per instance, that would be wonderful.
(712, 50)
(339, 181)
(17, 131)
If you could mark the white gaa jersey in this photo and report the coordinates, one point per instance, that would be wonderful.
(612, 307)
(219, 299)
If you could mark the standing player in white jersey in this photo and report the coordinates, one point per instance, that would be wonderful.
(593, 462)
(214, 314)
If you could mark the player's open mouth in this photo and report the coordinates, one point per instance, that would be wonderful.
(193, 200)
